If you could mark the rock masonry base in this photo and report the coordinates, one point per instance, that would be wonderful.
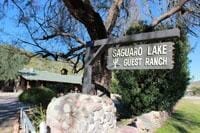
(80, 113)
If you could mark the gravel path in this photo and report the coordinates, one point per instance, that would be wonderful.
(9, 108)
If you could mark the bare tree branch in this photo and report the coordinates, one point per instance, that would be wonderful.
(112, 15)
(73, 36)
(47, 37)
(72, 51)
(169, 13)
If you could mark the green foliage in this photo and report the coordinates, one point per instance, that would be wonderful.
(37, 96)
(60, 88)
(146, 90)
(11, 61)
(37, 115)
(43, 64)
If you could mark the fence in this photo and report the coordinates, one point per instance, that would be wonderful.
(25, 123)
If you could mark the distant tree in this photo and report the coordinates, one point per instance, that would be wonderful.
(146, 90)
(11, 61)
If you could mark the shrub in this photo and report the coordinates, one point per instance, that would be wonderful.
(37, 96)
(146, 90)
(37, 115)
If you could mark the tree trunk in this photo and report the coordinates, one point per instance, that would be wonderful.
(84, 12)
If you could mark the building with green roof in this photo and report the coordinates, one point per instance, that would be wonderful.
(30, 78)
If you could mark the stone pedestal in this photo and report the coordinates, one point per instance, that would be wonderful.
(80, 113)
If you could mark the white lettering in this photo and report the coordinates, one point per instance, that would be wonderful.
(132, 62)
(164, 49)
(127, 52)
(114, 52)
(157, 50)
(156, 61)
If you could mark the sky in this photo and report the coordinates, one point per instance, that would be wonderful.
(7, 26)
(194, 57)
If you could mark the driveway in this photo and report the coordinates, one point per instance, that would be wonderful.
(9, 109)
(192, 97)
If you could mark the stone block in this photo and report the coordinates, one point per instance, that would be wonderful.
(80, 113)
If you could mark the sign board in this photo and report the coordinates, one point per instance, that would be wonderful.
(141, 56)
(145, 56)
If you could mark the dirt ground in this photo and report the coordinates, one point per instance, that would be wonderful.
(9, 110)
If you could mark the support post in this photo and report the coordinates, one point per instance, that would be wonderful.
(87, 76)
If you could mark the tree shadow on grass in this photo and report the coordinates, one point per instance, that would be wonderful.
(181, 129)
(181, 121)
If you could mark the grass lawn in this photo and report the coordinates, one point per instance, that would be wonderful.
(185, 119)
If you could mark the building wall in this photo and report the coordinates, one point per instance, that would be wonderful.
(7, 86)
(58, 87)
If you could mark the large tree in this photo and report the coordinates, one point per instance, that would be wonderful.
(60, 28)
(11, 61)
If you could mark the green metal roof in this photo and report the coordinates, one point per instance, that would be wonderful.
(36, 75)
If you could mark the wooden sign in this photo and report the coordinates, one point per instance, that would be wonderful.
(141, 56)
(145, 56)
